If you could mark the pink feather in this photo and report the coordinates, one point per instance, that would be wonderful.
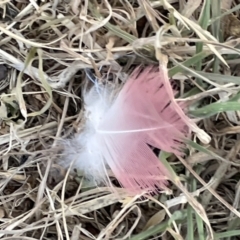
(142, 114)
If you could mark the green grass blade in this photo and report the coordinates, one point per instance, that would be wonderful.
(203, 22)
(233, 9)
(177, 216)
(155, 230)
(199, 221)
(234, 233)
(189, 62)
(216, 11)
(190, 223)
(219, 78)
(215, 108)
(203, 149)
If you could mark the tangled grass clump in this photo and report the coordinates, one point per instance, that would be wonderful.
(46, 46)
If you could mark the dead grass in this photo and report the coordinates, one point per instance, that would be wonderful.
(45, 47)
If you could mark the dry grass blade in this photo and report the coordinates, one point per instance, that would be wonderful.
(203, 35)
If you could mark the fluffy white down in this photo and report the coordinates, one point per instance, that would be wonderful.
(83, 149)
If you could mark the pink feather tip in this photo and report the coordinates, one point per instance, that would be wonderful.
(143, 114)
